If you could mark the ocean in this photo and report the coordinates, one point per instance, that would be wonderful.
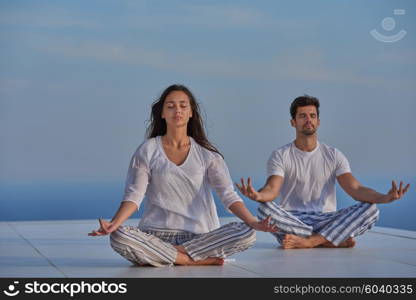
(87, 200)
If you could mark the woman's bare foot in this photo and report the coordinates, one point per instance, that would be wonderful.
(180, 248)
(183, 259)
(349, 243)
(216, 261)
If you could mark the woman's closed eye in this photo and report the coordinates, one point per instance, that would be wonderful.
(182, 106)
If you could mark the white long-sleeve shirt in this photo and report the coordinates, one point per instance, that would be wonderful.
(178, 197)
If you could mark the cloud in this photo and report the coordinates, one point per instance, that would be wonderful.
(212, 16)
(311, 64)
(293, 64)
(196, 15)
(306, 65)
(8, 85)
(139, 15)
(396, 56)
(52, 18)
(135, 55)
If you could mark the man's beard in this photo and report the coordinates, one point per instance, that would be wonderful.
(308, 132)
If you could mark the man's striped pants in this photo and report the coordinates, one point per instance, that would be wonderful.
(335, 226)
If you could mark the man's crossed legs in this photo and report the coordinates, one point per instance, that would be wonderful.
(316, 229)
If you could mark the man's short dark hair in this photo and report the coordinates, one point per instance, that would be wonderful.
(304, 100)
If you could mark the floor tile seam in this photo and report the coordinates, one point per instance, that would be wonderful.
(51, 263)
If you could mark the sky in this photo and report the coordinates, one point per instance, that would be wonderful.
(77, 79)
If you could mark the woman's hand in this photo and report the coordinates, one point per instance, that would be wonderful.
(264, 225)
(105, 228)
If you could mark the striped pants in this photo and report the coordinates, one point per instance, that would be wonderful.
(156, 247)
(335, 226)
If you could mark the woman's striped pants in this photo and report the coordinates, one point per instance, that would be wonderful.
(335, 226)
(156, 247)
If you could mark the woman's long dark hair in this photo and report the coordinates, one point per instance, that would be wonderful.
(195, 127)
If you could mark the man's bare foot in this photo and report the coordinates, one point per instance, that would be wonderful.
(291, 241)
(349, 243)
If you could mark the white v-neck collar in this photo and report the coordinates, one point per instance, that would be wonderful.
(159, 140)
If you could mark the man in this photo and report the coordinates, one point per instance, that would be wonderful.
(303, 173)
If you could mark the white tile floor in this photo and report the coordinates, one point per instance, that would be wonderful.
(63, 249)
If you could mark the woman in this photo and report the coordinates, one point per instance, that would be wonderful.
(175, 168)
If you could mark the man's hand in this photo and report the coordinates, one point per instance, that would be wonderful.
(264, 225)
(105, 228)
(394, 193)
(248, 190)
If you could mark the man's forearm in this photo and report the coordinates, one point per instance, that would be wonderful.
(365, 194)
(266, 195)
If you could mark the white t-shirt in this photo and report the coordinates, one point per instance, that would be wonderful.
(309, 177)
(178, 197)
